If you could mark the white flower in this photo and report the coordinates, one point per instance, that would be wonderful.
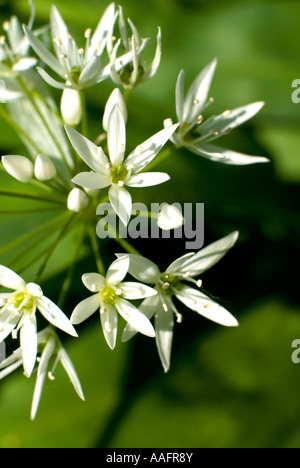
(18, 311)
(19, 167)
(116, 172)
(111, 295)
(79, 67)
(197, 134)
(70, 107)
(77, 200)
(14, 52)
(170, 217)
(49, 348)
(134, 72)
(171, 284)
(44, 168)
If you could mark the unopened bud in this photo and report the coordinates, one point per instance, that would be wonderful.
(70, 107)
(44, 168)
(77, 200)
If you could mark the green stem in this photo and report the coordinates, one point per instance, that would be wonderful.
(96, 250)
(32, 196)
(68, 280)
(84, 118)
(53, 246)
(47, 226)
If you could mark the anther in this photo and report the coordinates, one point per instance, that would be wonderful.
(179, 318)
(6, 25)
(165, 307)
(206, 305)
(119, 292)
(58, 41)
(196, 102)
(81, 51)
(51, 376)
(88, 33)
(211, 100)
(166, 285)
(226, 113)
(187, 274)
(103, 310)
(214, 132)
(199, 283)
(130, 167)
(200, 119)
(14, 334)
(139, 150)
(108, 166)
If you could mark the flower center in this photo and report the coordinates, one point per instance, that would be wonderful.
(75, 74)
(118, 174)
(109, 295)
(167, 283)
(25, 299)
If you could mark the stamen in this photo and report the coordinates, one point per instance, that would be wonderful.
(211, 100)
(58, 41)
(165, 307)
(196, 102)
(139, 150)
(2, 40)
(166, 285)
(200, 119)
(14, 334)
(130, 167)
(199, 283)
(187, 274)
(179, 318)
(88, 33)
(81, 51)
(3, 302)
(6, 25)
(108, 166)
(214, 132)
(226, 113)
(206, 305)
(118, 292)
(51, 376)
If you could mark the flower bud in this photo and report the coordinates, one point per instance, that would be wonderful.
(170, 217)
(116, 97)
(44, 168)
(70, 107)
(77, 200)
(19, 167)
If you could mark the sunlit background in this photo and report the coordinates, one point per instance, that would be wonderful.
(226, 387)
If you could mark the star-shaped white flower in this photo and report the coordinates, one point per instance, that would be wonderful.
(49, 348)
(79, 67)
(118, 172)
(18, 312)
(134, 73)
(171, 283)
(197, 134)
(111, 296)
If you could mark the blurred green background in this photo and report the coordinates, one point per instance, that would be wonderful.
(226, 388)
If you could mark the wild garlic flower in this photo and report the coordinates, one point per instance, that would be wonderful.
(79, 67)
(111, 295)
(14, 49)
(118, 172)
(197, 134)
(18, 312)
(49, 349)
(134, 72)
(172, 284)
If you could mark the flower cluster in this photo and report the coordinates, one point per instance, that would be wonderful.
(75, 175)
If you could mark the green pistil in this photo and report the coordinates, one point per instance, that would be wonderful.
(109, 295)
(118, 174)
(126, 73)
(167, 284)
(19, 298)
(75, 74)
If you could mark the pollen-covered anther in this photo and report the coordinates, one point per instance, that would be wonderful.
(130, 167)
(51, 376)
(165, 307)
(14, 334)
(119, 292)
(88, 33)
(206, 305)
(166, 285)
(196, 102)
(63, 56)
(57, 41)
(6, 25)
(81, 51)
(226, 113)
(214, 132)
(187, 274)
(199, 283)
(211, 100)
(200, 119)
(179, 318)
(2, 40)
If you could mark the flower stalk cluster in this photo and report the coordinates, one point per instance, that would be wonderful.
(70, 174)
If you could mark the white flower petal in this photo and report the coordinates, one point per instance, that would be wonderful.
(148, 308)
(157, 58)
(109, 322)
(9, 279)
(28, 341)
(70, 370)
(170, 217)
(116, 136)
(121, 202)
(204, 305)
(54, 315)
(90, 72)
(164, 325)
(25, 63)
(206, 257)
(117, 271)
(91, 180)
(85, 309)
(198, 92)
(88, 151)
(131, 290)
(180, 97)
(94, 282)
(8, 322)
(225, 156)
(146, 152)
(143, 270)
(135, 318)
(49, 80)
(147, 179)
(19, 167)
(116, 98)
(59, 28)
